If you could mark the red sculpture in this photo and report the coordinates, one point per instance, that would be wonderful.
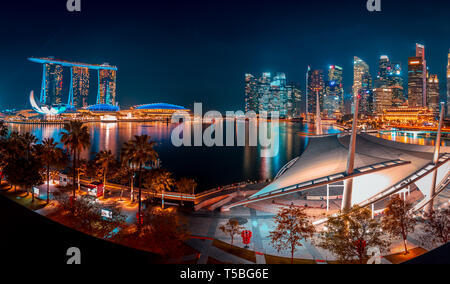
(246, 237)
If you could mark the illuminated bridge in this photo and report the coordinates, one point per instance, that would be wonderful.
(52, 80)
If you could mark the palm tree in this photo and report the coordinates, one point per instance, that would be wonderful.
(50, 156)
(126, 176)
(76, 138)
(159, 180)
(186, 185)
(104, 159)
(137, 153)
(28, 141)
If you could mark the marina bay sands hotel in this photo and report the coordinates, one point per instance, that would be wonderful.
(52, 82)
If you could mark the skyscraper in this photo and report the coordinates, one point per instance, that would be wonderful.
(417, 78)
(382, 100)
(415, 82)
(334, 92)
(388, 88)
(384, 69)
(53, 84)
(395, 82)
(362, 85)
(271, 93)
(251, 93)
(80, 85)
(106, 87)
(315, 86)
(433, 93)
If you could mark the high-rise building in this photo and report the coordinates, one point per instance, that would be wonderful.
(107, 87)
(294, 100)
(389, 77)
(272, 93)
(433, 93)
(251, 93)
(415, 81)
(384, 69)
(53, 84)
(80, 85)
(334, 92)
(315, 86)
(417, 78)
(264, 92)
(448, 85)
(382, 100)
(362, 85)
(395, 82)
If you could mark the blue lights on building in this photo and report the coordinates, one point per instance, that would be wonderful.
(159, 106)
(103, 108)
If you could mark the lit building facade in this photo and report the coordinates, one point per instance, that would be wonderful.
(417, 78)
(396, 83)
(433, 93)
(362, 85)
(106, 87)
(384, 70)
(251, 93)
(272, 93)
(53, 79)
(408, 115)
(80, 85)
(334, 92)
(315, 86)
(382, 99)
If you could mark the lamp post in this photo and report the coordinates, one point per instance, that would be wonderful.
(437, 150)
(348, 183)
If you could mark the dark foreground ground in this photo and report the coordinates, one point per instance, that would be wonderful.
(29, 238)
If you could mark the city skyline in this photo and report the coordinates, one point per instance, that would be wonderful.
(207, 61)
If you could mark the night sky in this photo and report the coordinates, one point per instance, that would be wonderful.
(185, 51)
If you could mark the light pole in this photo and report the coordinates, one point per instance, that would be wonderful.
(348, 183)
(437, 149)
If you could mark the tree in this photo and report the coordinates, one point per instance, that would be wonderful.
(398, 220)
(231, 228)
(437, 227)
(25, 172)
(86, 215)
(292, 226)
(76, 138)
(163, 232)
(125, 176)
(50, 155)
(3, 129)
(159, 181)
(138, 152)
(104, 159)
(185, 186)
(349, 234)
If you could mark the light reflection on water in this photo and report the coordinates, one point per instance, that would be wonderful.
(411, 137)
(210, 167)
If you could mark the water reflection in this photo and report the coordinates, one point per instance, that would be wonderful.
(413, 137)
(210, 167)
